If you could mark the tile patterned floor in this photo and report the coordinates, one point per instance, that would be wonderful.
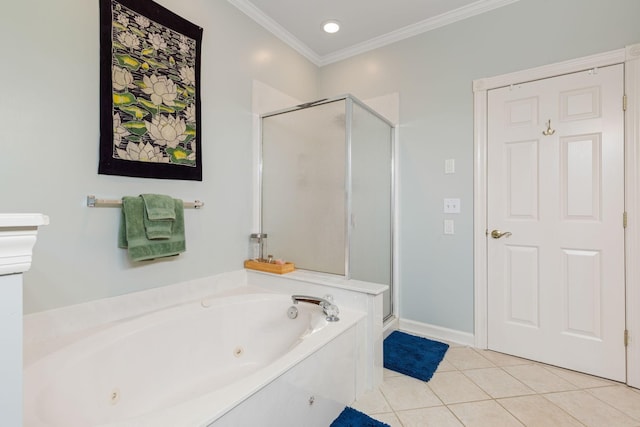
(478, 388)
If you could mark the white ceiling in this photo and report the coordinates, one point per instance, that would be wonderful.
(365, 24)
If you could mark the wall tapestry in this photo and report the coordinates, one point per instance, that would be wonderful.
(149, 92)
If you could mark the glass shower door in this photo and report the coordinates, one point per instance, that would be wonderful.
(327, 190)
(370, 256)
(304, 185)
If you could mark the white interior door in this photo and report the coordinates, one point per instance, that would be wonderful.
(556, 290)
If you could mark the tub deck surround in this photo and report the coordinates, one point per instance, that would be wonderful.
(70, 344)
(328, 280)
(120, 377)
(365, 296)
(49, 330)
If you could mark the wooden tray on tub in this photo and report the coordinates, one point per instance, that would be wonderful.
(287, 267)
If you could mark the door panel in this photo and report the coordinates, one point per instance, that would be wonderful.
(582, 288)
(522, 179)
(523, 285)
(580, 174)
(556, 290)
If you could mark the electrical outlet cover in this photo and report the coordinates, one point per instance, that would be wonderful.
(451, 205)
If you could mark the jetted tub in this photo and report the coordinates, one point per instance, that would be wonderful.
(218, 361)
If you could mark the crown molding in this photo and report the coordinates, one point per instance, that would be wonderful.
(477, 8)
(409, 31)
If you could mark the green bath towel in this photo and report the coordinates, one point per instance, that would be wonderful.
(132, 234)
(159, 214)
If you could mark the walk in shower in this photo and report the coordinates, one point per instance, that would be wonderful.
(327, 189)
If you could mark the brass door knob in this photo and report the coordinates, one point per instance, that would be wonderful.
(496, 234)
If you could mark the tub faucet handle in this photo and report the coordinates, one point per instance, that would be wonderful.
(329, 298)
(332, 313)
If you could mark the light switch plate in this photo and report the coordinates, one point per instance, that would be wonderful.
(451, 205)
(448, 226)
(450, 166)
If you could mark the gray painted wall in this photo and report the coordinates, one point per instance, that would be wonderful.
(433, 73)
(49, 141)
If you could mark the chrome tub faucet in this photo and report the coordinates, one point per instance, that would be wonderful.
(326, 303)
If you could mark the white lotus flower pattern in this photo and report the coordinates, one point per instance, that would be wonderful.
(142, 21)
(129, 40)
(123, 20)
(121, 78)
(157, 41)
(190, 113)
(143, 153)
(167, 130)
(184, 44)
(188, 75)
(161, 89)
(153, 75)
(119, 131)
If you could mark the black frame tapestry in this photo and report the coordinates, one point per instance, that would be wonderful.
(150, 122)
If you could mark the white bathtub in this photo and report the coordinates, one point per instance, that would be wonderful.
(200, 364)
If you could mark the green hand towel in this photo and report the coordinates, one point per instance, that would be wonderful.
(159, 214)
(132, 234)
(159, 206)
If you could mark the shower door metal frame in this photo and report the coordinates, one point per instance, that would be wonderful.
(348, 104)
(349, 101)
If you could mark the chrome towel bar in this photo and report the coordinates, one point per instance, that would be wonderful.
(93, 202)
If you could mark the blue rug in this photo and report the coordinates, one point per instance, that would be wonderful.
(414, 356)
(349, 417)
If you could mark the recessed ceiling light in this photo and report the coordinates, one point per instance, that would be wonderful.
(331, 26)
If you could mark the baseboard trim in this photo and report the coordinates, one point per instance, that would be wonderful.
(437, 332)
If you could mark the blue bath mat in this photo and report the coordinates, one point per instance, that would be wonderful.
(349, 417)
(414, 356)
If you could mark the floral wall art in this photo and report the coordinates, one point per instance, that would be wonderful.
(149, 92)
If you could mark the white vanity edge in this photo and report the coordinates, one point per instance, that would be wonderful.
(17, 238)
